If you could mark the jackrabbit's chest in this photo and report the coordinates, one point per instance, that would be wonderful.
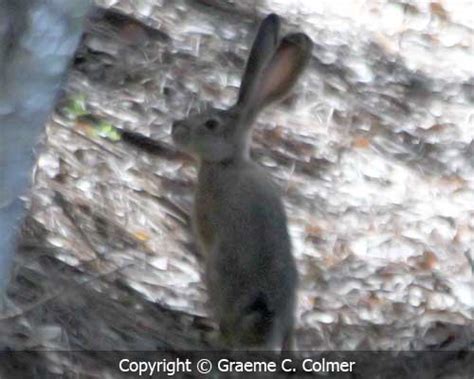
(204, 226)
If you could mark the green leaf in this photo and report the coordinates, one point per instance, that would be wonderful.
(76, 106)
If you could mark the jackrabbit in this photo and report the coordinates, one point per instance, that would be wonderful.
(238, 215)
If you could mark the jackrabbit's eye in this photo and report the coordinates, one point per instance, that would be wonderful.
(211, 124)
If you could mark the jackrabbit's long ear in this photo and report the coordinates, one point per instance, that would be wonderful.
(282, 72)
(263, 48)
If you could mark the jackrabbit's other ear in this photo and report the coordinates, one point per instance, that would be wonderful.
(263, 48)
(282, 71)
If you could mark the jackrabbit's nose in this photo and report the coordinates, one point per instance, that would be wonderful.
(177, 127)
(178, 130)
(176, 124)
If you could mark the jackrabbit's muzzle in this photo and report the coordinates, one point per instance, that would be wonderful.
(179, 132)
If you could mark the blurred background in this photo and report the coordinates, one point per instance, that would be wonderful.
(374, 150)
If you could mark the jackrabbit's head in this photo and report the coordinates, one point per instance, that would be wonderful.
(272, 69)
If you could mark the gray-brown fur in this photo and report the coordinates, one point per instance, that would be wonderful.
(239, 218)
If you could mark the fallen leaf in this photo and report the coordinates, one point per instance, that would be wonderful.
(360, 142)
(142, 235)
